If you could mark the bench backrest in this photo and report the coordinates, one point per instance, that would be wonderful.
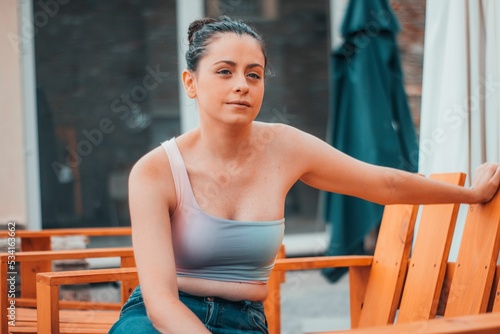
(428, 264)
(472, 280)
(426, 272)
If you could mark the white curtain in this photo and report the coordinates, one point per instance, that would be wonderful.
(461, 86)
(460, 119)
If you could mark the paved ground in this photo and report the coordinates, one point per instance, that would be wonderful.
(310, 303)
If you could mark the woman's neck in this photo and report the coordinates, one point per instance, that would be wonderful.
(225, 143)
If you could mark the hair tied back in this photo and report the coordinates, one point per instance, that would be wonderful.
(198, 25)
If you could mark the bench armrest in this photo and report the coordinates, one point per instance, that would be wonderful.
(308, 263)
(47, 287)
(41, 261)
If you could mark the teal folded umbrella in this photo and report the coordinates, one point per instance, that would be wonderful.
(371, 119)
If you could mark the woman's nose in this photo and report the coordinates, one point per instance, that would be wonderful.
(241, 85)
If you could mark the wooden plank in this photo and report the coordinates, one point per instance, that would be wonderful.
(445, 290)
(476, 261)
(390, 261)
(71, 304)
(86, 276)
(427, 267)
(486, 323)
(358, 281)
(86, 231)
(105, 316)
(494, 304)
(65, 329)
(308, 263)
(71, 254)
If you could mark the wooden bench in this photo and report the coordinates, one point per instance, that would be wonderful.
(51, 320)
(419, 287)
(41, 240)
(423, 286)
(25, 312)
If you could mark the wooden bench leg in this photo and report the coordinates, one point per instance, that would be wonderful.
(47, 308)
(494, 304)
(358, 280)
(127, 286)
(272, 305)
(30, 269)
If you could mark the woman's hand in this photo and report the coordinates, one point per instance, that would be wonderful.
(486, 181)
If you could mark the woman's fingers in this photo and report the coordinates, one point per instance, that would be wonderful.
(487, 181)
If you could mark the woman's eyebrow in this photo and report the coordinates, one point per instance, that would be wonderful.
(255, 65)
(233, 64)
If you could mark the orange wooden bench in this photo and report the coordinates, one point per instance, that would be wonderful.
(41, 240)
(49, 317)
(391, 281)
(425, 285)
(24, 307)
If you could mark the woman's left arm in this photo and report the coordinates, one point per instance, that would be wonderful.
(324, 167)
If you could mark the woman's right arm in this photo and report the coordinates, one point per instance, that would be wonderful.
(152, 199)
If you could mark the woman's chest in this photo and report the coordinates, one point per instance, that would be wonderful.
(251, 194)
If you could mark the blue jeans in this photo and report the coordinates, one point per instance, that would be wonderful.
(220, 316)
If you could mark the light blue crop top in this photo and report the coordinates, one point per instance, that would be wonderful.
(215, 248)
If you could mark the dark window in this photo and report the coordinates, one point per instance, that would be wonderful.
(107, 89)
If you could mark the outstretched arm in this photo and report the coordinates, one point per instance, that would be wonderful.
(152, 197)
(324, 167)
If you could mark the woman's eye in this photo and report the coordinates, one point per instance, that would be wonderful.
(254, 76)
(225, 72)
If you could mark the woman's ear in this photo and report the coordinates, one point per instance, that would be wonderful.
(188, 80)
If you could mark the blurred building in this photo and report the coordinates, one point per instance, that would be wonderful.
(88, 87)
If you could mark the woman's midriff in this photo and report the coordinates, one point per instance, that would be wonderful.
(234, 291)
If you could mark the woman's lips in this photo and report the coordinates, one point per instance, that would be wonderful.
(240, 103)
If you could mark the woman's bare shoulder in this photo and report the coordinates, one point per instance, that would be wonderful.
(281, 136)
(151, 178)
(277, 131)
(153, 164)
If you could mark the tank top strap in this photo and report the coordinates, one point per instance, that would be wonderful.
(179, 172)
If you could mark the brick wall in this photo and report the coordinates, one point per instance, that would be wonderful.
(411, 15)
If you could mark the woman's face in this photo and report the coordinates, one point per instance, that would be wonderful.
(229, 81)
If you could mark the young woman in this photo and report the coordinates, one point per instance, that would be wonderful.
(207, 207)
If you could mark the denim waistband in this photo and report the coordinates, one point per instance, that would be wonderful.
(239, 304)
